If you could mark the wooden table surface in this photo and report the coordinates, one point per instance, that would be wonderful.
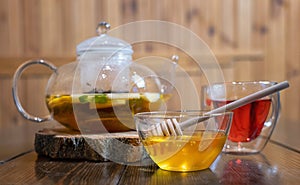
(275, 165)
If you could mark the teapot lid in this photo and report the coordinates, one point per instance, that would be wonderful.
(104, 44)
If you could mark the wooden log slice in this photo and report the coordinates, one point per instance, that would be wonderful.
(122, 147)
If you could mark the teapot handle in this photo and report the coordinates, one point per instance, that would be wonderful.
(16, 77)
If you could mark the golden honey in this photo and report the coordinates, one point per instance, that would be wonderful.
(185, 153)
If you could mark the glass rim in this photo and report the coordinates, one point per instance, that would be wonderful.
(266, 82)
(167, 114)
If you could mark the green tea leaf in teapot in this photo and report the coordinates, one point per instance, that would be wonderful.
(83, 99)
(101, 98)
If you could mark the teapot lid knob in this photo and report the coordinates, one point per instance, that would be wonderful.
(102, 28)
(175, 58)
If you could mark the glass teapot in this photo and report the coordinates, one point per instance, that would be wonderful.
(101, 91)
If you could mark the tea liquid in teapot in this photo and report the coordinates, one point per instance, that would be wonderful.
(111, 108)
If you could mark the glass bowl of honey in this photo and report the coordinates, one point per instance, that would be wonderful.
(194, 148)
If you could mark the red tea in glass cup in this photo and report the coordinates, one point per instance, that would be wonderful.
(248, 120)
(253, 123)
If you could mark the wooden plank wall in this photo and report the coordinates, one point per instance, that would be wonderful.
(253, 40)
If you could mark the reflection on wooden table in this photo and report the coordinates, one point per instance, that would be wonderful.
(275, 165)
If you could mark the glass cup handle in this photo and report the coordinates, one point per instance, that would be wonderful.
(16, 77)
(275, 100)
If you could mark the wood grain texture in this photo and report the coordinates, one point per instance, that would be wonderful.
(32, 170)
(64, 144)
(271, 167)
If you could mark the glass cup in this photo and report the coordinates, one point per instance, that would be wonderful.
(252, 124)
(197, 147)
